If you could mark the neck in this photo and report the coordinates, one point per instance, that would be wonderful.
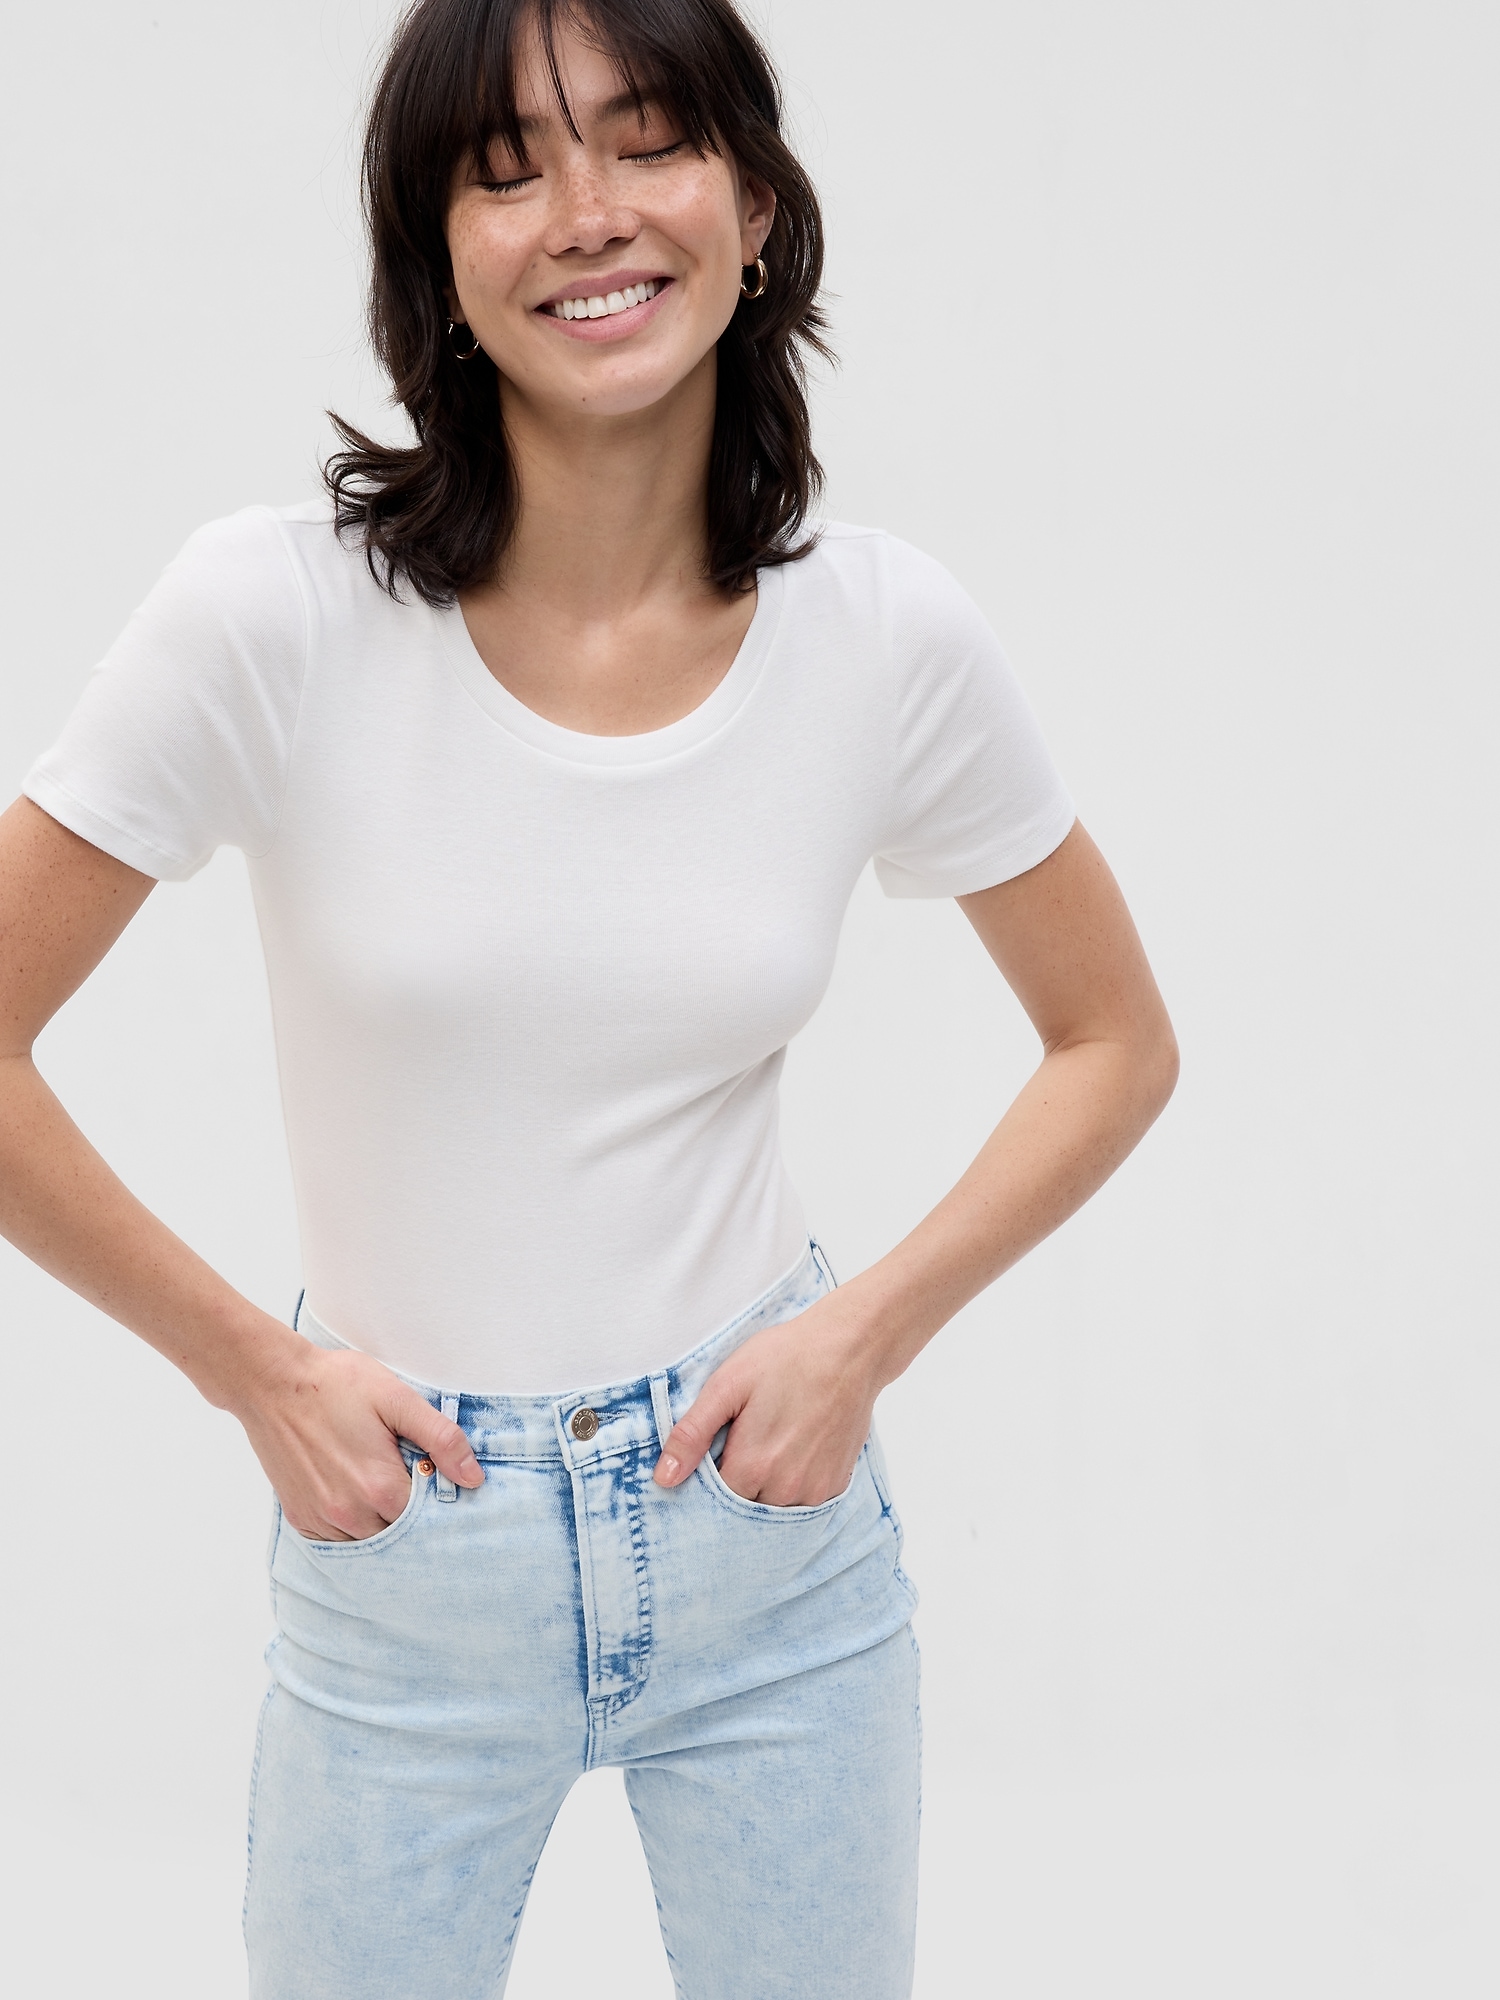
(612, 509)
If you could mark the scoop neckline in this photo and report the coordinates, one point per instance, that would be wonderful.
(650, 746)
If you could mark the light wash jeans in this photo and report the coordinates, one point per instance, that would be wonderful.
(437, 1689)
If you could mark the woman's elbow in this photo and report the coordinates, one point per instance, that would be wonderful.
(1160, 1065)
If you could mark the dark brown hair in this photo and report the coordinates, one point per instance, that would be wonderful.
(439, 513)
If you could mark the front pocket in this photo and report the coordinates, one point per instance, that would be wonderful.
(372, 1544)
(760, 1510)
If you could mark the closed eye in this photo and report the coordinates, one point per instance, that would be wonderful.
(661, 153)
(636, 159)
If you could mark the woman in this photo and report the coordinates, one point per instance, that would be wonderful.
(556, 746)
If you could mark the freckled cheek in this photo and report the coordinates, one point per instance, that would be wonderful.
(488, 264)
(705, 225)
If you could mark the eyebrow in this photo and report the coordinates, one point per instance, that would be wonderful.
(612, 107)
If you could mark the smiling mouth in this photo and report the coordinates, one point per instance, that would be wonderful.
(604, 305)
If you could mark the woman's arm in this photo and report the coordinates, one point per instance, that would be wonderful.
(799, 1396)
(323, 1425)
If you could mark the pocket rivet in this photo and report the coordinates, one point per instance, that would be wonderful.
(584, 1425)
(426, 1467)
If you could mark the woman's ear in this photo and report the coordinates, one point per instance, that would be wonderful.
(757, 213)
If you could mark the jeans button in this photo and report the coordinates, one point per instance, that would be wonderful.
(426, 1467)
(585, 1423)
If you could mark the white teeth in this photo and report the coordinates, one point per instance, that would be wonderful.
(601, 308)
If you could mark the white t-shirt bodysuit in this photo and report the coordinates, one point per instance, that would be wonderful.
(532, 988)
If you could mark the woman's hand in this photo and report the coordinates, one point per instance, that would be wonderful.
(798, 1399)
(324, 1425)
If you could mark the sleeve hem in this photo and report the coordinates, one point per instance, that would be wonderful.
(1019, 854)
(78, 818)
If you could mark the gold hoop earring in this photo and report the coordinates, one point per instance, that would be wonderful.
(472, 351)
(763, 278)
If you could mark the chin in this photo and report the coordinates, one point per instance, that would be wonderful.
(624, 392)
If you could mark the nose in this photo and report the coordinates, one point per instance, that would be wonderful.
(588, 213)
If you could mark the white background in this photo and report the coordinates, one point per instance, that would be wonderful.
(1172, 329)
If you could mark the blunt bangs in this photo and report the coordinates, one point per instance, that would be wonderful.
(642, 61)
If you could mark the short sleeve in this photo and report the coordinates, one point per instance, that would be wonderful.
(975, 797)
(181, 740)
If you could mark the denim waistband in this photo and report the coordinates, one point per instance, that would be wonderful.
(624, 1416)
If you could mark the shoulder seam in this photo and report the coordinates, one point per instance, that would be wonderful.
(291, 744)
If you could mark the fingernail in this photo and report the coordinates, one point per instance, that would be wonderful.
(666, 1469)
(470, 1466)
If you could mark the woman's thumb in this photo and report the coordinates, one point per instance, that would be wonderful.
(442, 1440)
(696, 1429)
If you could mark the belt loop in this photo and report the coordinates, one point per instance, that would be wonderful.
(446, 1490)
(661, 1407)
(820, 1258)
